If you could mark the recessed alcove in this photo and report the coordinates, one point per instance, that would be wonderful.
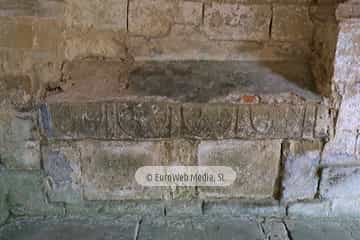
(193, 81)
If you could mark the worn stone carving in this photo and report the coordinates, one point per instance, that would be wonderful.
(106, 120)
(209, 121)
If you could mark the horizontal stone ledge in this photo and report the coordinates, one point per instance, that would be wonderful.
(158, 120)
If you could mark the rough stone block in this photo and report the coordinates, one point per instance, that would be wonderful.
(18, 149)
(108, 14)
(345, 208)
(273, 121)
(106, 120)
(32, 8)
(237, 22)
(183, 208)
(347, 53)
(241, 209)
(16, 33)
(199, 228)
(186, 42)
(182, 153)
(329, 229)
(275, 229)
(4, 211)
(324, 48)
(348, 10)
(323, 122)
(310, 209)
(84, 42)
(340, 182)
(154, 18)
(47, 34)
(109, 169)
(18, 8)
(302, 160)
(15, 87)
(291, 22)
(341, 149)
(115, 208)
(51, 9)
(188, 13)
(73, 228)
(62, 167)
(206, 121)
(309, 122)
(255, 162)
(26, 196)
(106, 170)
(349, 114)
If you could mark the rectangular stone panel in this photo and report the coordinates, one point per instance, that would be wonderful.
(237, 22)
(323, 121)
(105, 170)
(291, 22)
(255, 162)
(271, 121)
(61, 163)
(105, 120)
(134, 120)
(16, 33)
(101, 14)
(186, 42)
(154, 18)
(301, 161)
(309, 121)
(205, 120)
(108, 168)
(19, 146)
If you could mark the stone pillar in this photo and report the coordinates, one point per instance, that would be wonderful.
(344, 147)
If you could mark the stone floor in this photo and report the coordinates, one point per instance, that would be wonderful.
(178, 228)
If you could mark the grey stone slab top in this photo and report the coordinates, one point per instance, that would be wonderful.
(194, 81)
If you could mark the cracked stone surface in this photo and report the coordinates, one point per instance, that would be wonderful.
(181, 228)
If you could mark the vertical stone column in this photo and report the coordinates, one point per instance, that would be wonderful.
(340, 176)
(343, 148)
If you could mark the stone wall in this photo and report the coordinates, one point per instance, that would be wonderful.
(64, 166)
(43, 34)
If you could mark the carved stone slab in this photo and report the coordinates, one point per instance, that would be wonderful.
(136, 120)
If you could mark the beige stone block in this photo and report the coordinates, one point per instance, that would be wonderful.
(291, 22)
(255, 162)
(109, 169)
(47, 34)
(100, 14)
(154, 18)
(16, 33)
(84, 42)
(186, 42)
(237, 22)
(300, 180)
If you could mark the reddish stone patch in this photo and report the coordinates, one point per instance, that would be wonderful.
(249, 99)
